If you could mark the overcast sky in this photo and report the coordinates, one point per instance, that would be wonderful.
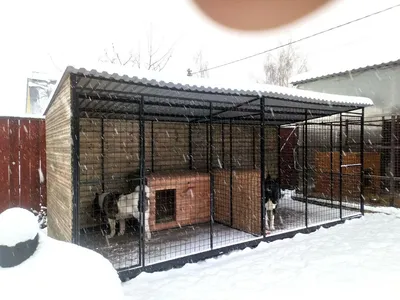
(46, 35)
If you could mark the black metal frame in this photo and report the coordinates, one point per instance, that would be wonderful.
(262, 165)
(331, 161)
(75, 158)
(340, 165)
(152, 146)
(362, 198)
(102, 155)
(254, 147)
(278, 144)
(305, 166)
(231, 171)
(223, 144)
(210, 164)
(210, 121)
(142, 169)
(330, 107)
(392, 156)
(190, 147)
(217, 105)
(208, 143)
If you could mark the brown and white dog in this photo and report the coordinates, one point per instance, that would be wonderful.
(119, 207)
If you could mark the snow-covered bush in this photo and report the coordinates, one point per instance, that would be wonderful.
(25, 252)
(41, 216)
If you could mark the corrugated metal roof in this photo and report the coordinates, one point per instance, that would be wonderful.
(339, 70)
(137, 82)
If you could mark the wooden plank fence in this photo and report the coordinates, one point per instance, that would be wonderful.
(22, 162)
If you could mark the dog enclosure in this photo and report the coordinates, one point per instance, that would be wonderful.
(204, 151)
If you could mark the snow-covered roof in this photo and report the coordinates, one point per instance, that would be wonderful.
(43, 76)
(108, 81)
(355, 66)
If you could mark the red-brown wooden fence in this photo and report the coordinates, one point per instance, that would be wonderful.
(22, 162)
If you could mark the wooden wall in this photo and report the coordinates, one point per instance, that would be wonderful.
(199, 144)
(90, 164)
(121, 155)
(351, 175)
(59, 172)
(243, 212)
(170, 152)
(245, 147)
(171, 146)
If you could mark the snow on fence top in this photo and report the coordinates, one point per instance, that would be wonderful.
(356, 66)
(21, 116)
(179, 85)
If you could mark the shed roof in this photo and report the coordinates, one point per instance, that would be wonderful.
(336, 70)
(122, 86)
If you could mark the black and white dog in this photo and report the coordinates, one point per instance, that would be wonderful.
(119, 207)
(273, 195)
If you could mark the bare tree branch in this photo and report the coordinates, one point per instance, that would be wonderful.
(138, 57)
(201, 65)
(116, 54)
(160, 64)
(157, 64)
(284, 65)
(154, 59)
(129, 59)
(150, 47)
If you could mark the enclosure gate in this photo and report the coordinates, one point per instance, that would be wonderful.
(331, 164)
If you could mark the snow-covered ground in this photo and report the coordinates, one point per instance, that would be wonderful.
(367, 208)
(385, 210)
(35, 266)
(356, 260)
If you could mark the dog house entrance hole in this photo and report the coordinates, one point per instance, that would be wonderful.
(165, 205)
